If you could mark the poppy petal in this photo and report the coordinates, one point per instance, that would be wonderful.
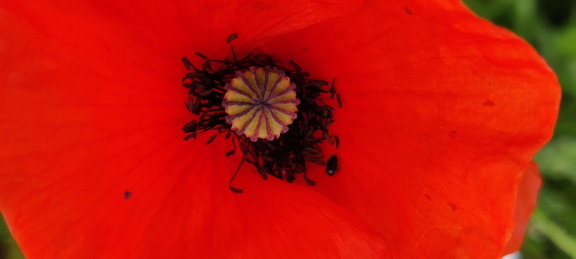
(525, 203)
(94, 164)
(442, 112)
(161, 29)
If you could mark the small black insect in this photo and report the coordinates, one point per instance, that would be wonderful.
(332, 165)
(408, 11)
(127, 195)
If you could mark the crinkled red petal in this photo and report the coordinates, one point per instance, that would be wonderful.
(94, 165)
(442, 112)
(526, 198)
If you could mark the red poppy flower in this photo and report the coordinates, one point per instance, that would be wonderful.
(442, 115)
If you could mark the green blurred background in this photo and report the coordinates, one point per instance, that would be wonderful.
(550, 26)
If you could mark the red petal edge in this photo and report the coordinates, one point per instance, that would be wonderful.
(526, 199)
(442, 113)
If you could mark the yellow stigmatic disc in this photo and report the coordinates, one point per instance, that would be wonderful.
(260, 103)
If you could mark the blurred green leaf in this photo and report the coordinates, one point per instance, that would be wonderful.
(8, 247)
(557, 160)
(554, 232)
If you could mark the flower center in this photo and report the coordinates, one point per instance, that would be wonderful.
(280, 115)
(260, 103)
